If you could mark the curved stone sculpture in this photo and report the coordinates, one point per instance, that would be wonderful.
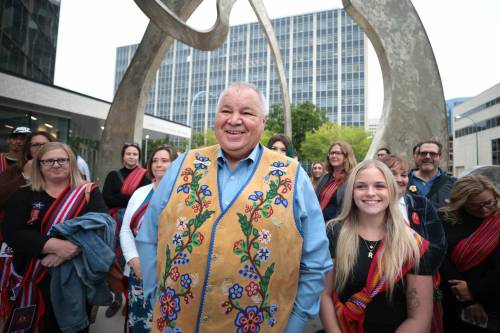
(126, 114)
(170, 23)
(414, 107)
(490, 171)
(267, 27)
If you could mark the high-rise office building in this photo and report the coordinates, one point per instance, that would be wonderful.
(323, 54)
(28, 38)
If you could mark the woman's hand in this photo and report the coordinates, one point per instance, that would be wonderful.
(475, 314)
(52, 260)
(62, 248)
(135, 264)
(461, 291)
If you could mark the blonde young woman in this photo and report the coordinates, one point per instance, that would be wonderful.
(471, 270)
(379, 284)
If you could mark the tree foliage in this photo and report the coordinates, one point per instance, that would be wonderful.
(306, 117)
(198, 138)
(316, 144)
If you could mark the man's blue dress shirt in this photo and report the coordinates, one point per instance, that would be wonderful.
(423, 186)
(315, 260)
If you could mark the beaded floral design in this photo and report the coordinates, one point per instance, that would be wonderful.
(176, 284)
(252, 301)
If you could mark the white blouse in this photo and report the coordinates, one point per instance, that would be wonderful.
(127, 240)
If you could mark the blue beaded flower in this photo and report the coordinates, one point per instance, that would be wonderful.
(236, 291)
(186, 280)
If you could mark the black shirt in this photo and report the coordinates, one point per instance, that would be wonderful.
(25, 238)
(113, 185)
(382, 314)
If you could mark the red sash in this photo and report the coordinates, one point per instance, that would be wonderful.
(67, 206)
(471, 251)
(129, 185)
(328, 191)
(3, 162)
(138, 217)
(351, 314)
(132, 181)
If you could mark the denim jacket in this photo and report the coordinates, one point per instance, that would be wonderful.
(82, 279)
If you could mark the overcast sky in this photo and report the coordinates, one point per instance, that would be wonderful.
(464, 35)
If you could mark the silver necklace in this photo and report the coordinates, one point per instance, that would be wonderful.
(370, 245)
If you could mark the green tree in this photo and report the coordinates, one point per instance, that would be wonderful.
(306, 117)
(198, 138)
(316, 144)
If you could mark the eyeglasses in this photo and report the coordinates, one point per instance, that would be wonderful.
(333, 153)
(487, 204)
(37, 145)
(51, 162)
(423, 154)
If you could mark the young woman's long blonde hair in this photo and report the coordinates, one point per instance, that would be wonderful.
(399, 245)
(37, 179)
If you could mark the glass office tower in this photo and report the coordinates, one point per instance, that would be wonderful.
(28, 38)
(323, 54)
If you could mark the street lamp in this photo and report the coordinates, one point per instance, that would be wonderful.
(146, 150)
(476, 127)
(191, 111)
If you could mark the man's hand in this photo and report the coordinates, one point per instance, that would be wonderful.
(52, 260)
(135, 264)
(461, 291)
(475, 314)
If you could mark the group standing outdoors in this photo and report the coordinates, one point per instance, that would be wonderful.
(238, 237)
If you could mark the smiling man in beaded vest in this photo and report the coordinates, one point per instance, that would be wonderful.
(234, 238)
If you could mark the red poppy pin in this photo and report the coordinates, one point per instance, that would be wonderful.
(415, 218)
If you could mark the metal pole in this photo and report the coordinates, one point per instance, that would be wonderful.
(146, 150)
(475, 130)
(191, 113)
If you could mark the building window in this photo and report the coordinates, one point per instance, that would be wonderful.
(495, 151)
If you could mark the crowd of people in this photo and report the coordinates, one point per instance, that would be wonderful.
(238, 237)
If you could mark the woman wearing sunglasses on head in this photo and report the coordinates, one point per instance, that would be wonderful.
(471, 268)
(118, 188)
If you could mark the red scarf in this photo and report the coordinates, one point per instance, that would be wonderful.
(138, 217)
(351, 314)
(328, 191)
(129, 185)
(3, 162)
(132, 181)
(68, 205)
(471, 251)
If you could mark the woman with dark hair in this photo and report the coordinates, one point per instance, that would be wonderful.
(118, 188)
(471, 268)
(20, 172)
(140, 311)
(422, 217)
(282, 144)
(56, 195)
(339, 162)
(381, 282)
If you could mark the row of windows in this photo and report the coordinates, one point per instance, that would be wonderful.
(481, 107)
(481, 126)
(495, 151)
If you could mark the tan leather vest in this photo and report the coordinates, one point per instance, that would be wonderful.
(233, 269)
